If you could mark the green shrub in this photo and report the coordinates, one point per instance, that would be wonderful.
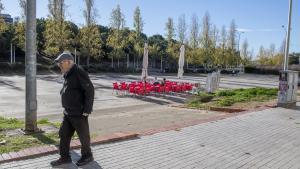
(225, 93)
(204, 97)
(226, 102)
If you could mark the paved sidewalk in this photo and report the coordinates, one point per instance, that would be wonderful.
(265, 139)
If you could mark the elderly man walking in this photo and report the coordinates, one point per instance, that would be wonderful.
(77, 97)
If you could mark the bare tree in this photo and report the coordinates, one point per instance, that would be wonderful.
(205, 39)
(22, 4)
(245, 54)
(272, 50)
(170, 29)
(181, 29)
(214, 36)
(138, 24)
(194, 39)
(223, 42)
(88, 15)
(194, 32)
(231, 44)
(117, 19)
(57, 9)
(138, 21)
(1, 7)
(223, 37)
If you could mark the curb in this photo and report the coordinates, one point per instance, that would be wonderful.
(51, 149)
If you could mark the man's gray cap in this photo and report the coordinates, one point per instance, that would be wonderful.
(64, 56)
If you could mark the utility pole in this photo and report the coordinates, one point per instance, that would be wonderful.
(287, 42)
(30, 69)
(75, 56)
(11, 53)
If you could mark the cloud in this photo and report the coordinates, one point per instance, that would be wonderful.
(244, 30)
(257, 30)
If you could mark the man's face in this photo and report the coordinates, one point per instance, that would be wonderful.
(64, 65)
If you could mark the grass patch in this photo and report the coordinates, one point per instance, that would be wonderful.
(18, 143)
(43, 121)
(10, 123)
(13, 123)
(223, 98)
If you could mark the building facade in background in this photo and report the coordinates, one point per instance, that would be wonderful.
(7, 18)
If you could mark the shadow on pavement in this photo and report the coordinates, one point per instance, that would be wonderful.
(75, 157)
(158, 99)
(10, 84)
(43, 138)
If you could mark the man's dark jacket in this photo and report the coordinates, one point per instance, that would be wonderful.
(77, 94)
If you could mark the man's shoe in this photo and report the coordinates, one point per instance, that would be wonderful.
(84, 160)
(60, 161)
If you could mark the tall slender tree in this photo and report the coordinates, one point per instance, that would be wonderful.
(1, 7)
(245, 54)
(170, 29)
(171, 49)
(206, 39)
(117, 23)
(19, 33)
(90, 38)
(194, 40)
(138, 25)
(233, 57)
(22, 4)
(58, 34)
(181, 29)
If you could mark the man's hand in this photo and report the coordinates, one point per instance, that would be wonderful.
(85, 114)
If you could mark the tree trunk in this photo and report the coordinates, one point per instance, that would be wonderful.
(127, 61)
(118, 63)
(161, 64)
(112, 62)
(88, 61)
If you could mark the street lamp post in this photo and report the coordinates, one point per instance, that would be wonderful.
(30, 70)
(287, 42)
(285, 35)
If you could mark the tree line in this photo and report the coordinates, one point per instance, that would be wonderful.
(205, 44)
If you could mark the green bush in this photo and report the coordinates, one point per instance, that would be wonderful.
(204, 97)
(226, 102)
(229, 97)
(225, 93)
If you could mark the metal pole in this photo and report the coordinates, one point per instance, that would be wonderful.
(14, 54)
(30, 70)
(127, 60)
(75, 56)
(287, 42)
(78, 60)
(11, 54)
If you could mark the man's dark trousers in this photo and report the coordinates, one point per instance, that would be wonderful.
(69, 125)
